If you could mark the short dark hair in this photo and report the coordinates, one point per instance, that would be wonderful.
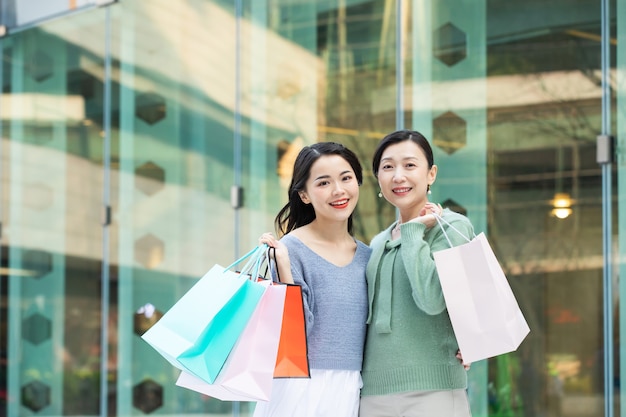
(400, 136)
(296, 213)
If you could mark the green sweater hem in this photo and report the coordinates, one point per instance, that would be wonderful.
(415, 378)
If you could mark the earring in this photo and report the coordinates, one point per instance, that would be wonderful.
(428, 189)
(380, 194)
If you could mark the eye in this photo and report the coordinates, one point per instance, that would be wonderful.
(411, 165)
(322, 183)
(347, 178)
(386, 166)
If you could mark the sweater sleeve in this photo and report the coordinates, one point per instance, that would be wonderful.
(418, 244)
(307, 296)
(297, 271)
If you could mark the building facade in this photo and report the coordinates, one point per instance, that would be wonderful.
(145, 141)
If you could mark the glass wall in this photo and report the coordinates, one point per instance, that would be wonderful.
(172, 169)
(117, 166)
(127, 129)
(545, 202)
(51, 239)
(618, 85)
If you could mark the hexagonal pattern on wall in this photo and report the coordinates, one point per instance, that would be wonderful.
(145, 317)
(35, 396)
(149, 251)
(37, 263)
(150, 178)
(449, 132)
(449, 44)
(147, 396)
(39, 65)
(81, 82)
(36, 328)
(454, 206)
(150, 107)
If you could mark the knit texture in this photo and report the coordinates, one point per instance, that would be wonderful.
(335, 305)
(410, 343)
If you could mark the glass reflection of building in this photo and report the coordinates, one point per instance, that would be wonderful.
(126, 126)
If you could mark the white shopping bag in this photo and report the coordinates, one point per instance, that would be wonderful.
(486, 318)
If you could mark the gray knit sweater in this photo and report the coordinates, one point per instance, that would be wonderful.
(335, 304)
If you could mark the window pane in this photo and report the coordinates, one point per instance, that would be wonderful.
(544, 113)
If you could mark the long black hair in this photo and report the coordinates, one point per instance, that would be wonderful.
(296, 213)
(400, 136)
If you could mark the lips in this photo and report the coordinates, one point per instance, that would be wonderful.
(340, 203)
(402, 190)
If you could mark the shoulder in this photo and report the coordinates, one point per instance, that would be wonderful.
(454, 223)
(380, 238)
(293, 243)
(289, 238)
(363, 247)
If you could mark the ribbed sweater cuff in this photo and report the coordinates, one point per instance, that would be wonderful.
(413, 230)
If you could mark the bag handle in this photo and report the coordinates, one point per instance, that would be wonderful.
(256, 258)
(255, 266)
(272, 265)
(439, 220)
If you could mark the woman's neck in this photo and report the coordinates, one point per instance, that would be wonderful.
(328, 232)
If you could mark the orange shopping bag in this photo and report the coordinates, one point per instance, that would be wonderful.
(292, 360)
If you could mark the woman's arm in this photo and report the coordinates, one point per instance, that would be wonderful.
(418, 244)
(281, 254)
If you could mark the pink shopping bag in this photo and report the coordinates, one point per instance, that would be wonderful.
(248, 372)
(485, 316)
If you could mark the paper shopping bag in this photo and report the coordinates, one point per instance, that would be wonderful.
(292, 360)
(202, 327)
(486, 318)
(248, 372)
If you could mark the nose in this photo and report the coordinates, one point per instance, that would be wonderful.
(338, 188)
(398, 175)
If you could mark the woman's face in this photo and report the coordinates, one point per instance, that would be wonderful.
(332, 188)
(404, 176)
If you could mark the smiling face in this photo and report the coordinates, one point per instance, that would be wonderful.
(332, 189)
(404, 177)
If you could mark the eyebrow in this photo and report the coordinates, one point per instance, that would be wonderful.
(402, 159)
(328, 176)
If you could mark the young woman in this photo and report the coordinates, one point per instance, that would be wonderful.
(318, 251)
(412, 367)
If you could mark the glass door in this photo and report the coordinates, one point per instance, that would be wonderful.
(546, 203)
(51, 237)
(512, 95)
(618, 86)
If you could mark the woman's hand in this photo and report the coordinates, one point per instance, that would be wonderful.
(427, 214)
(281, 253)
(460, 358)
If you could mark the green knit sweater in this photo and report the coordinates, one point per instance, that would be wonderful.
(410, 344)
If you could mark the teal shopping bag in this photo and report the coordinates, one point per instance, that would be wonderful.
(209, 353)
(195, 326)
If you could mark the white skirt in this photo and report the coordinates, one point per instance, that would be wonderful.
(328, 392)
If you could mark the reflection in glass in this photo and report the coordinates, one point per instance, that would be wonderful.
(544, 114)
